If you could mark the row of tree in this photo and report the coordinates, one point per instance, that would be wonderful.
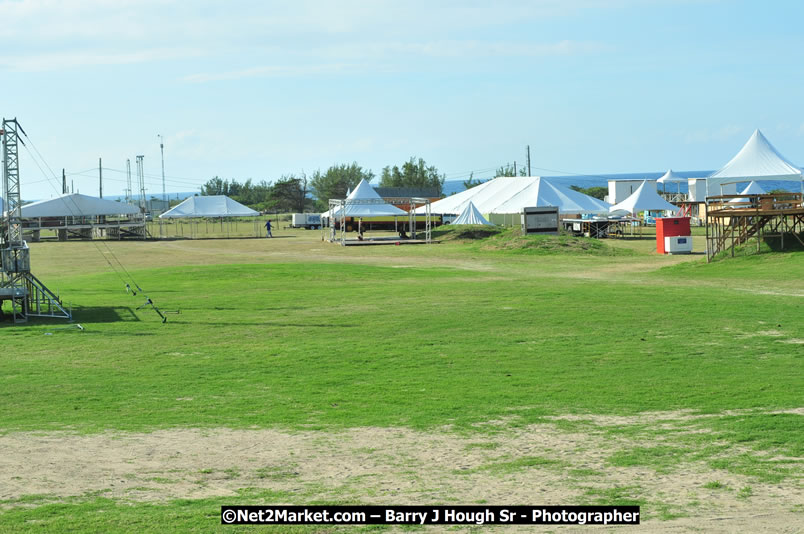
(292, 193)
(301, 193)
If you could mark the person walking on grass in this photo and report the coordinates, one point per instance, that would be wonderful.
(268, 228)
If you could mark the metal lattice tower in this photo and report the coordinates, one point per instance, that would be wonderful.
(141, 180)
(128, 181)
(28, 295)
(11, 185)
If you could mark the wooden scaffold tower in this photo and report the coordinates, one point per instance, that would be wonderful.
(733, 220)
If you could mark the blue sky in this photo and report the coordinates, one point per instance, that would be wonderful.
(259, 89)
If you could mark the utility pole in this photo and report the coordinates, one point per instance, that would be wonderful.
(529, 174)
(63, 183)
(100, 177)
(162, 148)
(515, 168)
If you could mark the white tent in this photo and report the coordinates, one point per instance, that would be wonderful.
(76, 205)
(512, 194)
(752, 189)
(643, 199)
(670, 176)
(209, 206)
(757, 160)
(470, 215)
(365, 202)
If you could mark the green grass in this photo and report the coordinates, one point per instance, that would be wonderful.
(662, 458)
(317, 345)
(109, 516)
(616, 496)
(454, 334)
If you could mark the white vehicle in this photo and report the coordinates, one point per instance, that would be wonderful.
(306, 220)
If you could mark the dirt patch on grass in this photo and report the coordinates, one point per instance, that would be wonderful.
(653, 418)
(540, 464)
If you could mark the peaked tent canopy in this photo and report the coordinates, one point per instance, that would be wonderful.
(643, 199)
(209, 206)
(76, 205)
(752, 189)
(757, 160)
(364, 201)
(512, 194)
(470, 215)
(670, 176)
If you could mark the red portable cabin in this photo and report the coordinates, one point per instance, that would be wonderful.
(670, 227)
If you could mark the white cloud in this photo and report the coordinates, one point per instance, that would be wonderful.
(74, 59)
(83, 32)
(459, 48)
(268, 71)
(380, 57)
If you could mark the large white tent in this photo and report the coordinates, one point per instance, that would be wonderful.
(76, 205)
(506, 195)
(364, 201)
(470, 215)
(757, 160)
(212, 206)
(643, 199)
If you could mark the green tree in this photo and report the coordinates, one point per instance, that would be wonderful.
(471, 182)
(414, 173)
(596, 192)
(214, 186)
(509, 170)
(336, 181)
(289, 194)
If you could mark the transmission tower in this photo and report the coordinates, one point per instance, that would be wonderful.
(141, 180)
(28, 295)
(128, 181)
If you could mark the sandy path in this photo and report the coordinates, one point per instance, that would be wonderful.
(541, 464)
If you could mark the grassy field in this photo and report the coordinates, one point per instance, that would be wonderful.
(643, 371)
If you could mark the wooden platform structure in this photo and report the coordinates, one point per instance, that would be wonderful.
(385, 241)
(600, 228)
(732, 220)
(83, 228)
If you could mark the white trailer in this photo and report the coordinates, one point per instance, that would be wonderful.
(306, 220)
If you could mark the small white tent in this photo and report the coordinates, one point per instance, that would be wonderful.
(364, 201)
(752, 189)
(757, 160)
(511, 194)
(470, 215)
(643, 199)
(76, 205)
(670, 177)
(209, 207)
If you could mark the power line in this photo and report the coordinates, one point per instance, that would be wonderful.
(148, 301)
